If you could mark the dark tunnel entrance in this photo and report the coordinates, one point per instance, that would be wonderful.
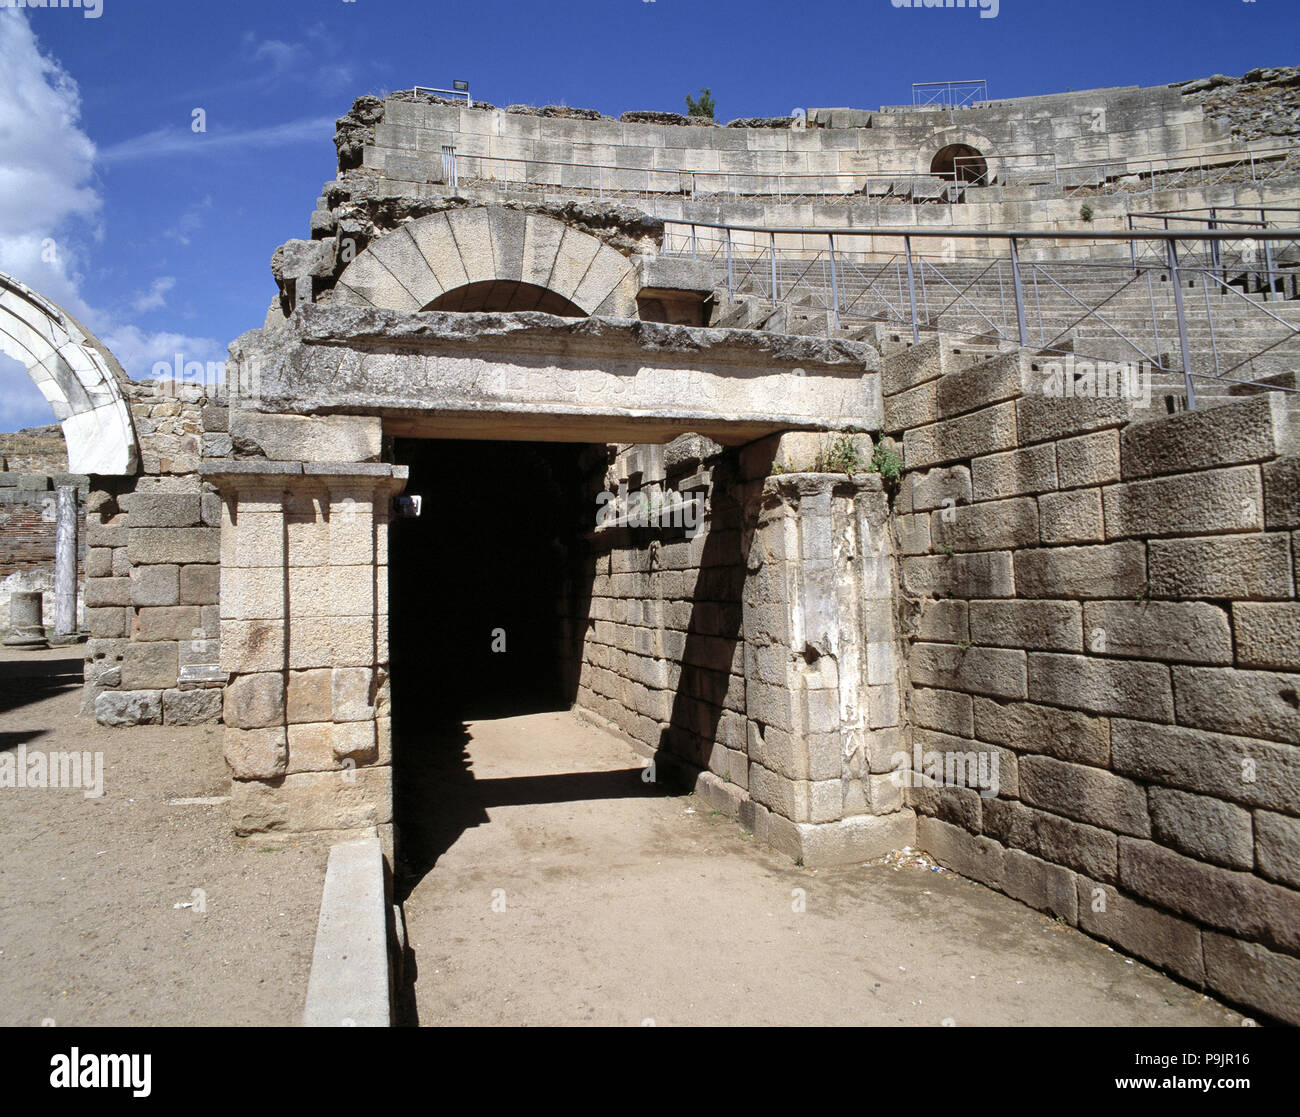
(961, 163)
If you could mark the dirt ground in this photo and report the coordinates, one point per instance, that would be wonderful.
(90, 928)
(561, 889)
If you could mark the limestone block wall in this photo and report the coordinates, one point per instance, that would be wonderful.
(152, 572)
(662, 658)
(1108, 606)
(304, 615)
(758, 659)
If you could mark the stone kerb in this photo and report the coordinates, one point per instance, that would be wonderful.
(304, 623)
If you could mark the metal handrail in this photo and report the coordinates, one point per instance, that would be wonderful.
(1171, 240)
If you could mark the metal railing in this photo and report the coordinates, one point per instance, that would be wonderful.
(949, 94)
(1225, 257)
(1132, 309)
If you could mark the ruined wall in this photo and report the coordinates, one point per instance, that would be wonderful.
(757, 662)
(1108, 607)
(859, 168)
(662, 655)
(33, 466)
(152, 571)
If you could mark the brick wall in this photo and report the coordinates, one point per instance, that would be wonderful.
(1108, 605)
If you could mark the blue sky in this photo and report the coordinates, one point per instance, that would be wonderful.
(160, 238)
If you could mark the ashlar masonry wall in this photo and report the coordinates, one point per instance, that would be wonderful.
(1108, 605)
(758, 659)
(152, 570)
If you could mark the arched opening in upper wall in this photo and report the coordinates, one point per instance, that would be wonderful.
(504, 296)
(961, 163)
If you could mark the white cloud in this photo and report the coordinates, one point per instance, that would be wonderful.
(49, 208)
(181, 141)
(45, 178)
(140, 351)
(156, 296)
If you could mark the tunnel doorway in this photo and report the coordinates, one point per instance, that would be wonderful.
(961, 163)
(484, 585)
(489, 589)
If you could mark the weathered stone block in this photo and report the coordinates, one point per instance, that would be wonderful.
(1240, 566)
(1251, 974)
(1188, 632)
(255, 701)
(1091, 459)
(149, 509)
(1073, 517)
(1041, 885)
(1064, 734)
(1075, 845)
(1247, 703)
(1282, 494)
(1205, 828)
(940, 488)
(1237, 902)
(333, 438)
(1218, 500)
(971, 855)
(256, 754)
(1045, 625)
(150, 666)
(1128, 689)
(155, 585)
(1015, 473)
(995, 672)
(1267, 635)
(948, 711)
(1108, 570)
(191, 707)
(180, 622)
(954, 440)
(1250, 431)
(121, 708)
(1240, 769)
(977, 574)
(308, 697)
(1150, 934)
(102, 592)
(1277, 847)
(173, 545)
(990, 526)
(1091, 795)
(200, 585)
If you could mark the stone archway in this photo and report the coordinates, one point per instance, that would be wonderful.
(961, 163)
(962, 154)
(79, 377)
(491, 258)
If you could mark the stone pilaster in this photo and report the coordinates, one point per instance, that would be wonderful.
(821, 670)
(304, 625)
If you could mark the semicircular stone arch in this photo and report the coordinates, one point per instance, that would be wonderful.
(77, 375)
(490, 258)
(965, 140)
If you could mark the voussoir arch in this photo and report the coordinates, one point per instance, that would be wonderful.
(78, 376)
(490, 258)
(959, 136)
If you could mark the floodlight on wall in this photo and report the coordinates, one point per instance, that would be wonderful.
(460, 86)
